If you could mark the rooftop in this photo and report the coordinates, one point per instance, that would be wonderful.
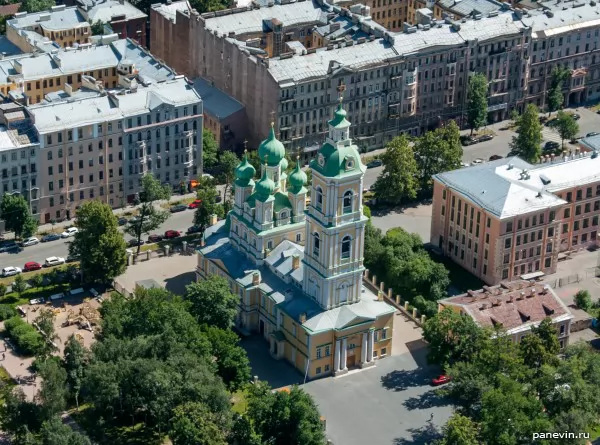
(214, 101)
(12, 139)
(7, 48)
(170, 10)
(9, 10)
(55, 19)
(464, 8)
(515, 306)
(574, 16)
(105, 10)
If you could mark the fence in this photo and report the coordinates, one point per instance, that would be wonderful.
(590, 272)
(396, 301)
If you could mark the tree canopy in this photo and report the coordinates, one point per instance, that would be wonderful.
(527, 142)
(398, 182)
(212, 302)
(556, 97)
(36, 5)
(477, 106)
(207, 194)
(15, 212)
(566, 126)
(210, 149)
(228, 162)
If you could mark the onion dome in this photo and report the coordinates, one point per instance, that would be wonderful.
(297, 179)
(271, 151)
(284, 165)
(244, 172)
(339, 118)
(265, 187)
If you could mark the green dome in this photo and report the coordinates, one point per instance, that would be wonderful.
(265, 187)
(284, 165)
(244, 172)
(334, 161)
(271, 150)
(297, 179)
(339, 118)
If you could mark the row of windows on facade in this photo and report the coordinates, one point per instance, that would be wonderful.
(320, 370)
(579, 194)
(49, 83)
(24, 186)
(378, 335)
(158, 133)
(529, 268)
(14, 155)
(522, 254)
(346, 246)
(15, 171)
(561, 40)
(347, 200)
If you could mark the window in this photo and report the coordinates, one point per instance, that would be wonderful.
(319, 200)
(327, 351)
(348, 202)
(346, 247)
(507, 242)
(318, 371)
(316, 245)
(318, 354)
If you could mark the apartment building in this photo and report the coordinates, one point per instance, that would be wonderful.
(509, 219)
(29, 77)
(19, 150)
(390, 14)
(59, 27)
(122, 17)
(393, 82)
(458, 10)
(98, 144)
(515, 307)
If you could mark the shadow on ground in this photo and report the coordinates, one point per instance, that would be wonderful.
(420, 436)
(178, 283)
(383, 210)
(418, 350)
(278, 373)
(430, 399)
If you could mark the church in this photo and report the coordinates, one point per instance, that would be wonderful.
(295, 258)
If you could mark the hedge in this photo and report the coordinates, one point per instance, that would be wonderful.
(26, 338)
(7, 311)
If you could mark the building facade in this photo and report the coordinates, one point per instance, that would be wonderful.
(405, 82)
(510, 219)
(123, 18)
(514, 307)
(298, 266)
(98, 144)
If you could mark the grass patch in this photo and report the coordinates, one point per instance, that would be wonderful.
(594, 433)
(185, 201)
(7, 281)
(12, 298)
(114, 434)
(6, 382)
(239, 402)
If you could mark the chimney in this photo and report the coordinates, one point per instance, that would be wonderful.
(521, 295)
(256, 278)
(295, 261)
(511, 298)
(302, 318)
(68, 89)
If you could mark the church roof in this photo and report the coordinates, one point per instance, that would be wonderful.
(271, 150)
(281, 202)
(335, 161)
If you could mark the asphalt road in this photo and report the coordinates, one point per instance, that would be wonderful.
(177, 221)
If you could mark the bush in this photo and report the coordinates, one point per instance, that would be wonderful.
(583, 300)
(26, 338)
(7, 311)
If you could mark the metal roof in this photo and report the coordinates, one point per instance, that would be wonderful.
(466, 7)
(106, 10)
(170, 10)
(214, 101)
(59, 19)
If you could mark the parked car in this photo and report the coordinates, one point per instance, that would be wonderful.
(440, 380)
(133, 220)
(54, 261)
(134, 243)
(122, 221)
(72, 258)
(218, 198)
(496, 157)
(32, 265)
(32, 241)
(71, 231)
(592, 133)
(575, 116)
(178, 208)
(375, 163)
(50, 237)
(468, 140)
(155, 238)
(477, 161)
(551, 146)
(193, 229)
(485, 137)
(169, 234)
(7, 246)
(195, 204)
(10, 271)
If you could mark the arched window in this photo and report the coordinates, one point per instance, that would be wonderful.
(346, 242)
(347, 202)
(283, 215)
(319, 198)
(316, 245)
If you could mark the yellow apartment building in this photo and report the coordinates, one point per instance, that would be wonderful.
(298, 267)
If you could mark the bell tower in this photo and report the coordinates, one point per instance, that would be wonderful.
(335, 224)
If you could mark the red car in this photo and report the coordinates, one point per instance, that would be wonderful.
(169, 234)
(440, 380)
(32, 265)
(195, 204)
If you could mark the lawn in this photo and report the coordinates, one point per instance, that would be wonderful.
(238, 399)
(33, 292)
(594, 433)
(27, 275)
(5, 381)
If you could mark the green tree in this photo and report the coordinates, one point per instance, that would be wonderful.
(149, 217)
(45, 323)
(459, 430)
(285, 418)
(36, 5)
(527, 142)
(19, 285)
(15, 212)
(2, 289)
(97, 28)
(99, 244)
(18, 416)
(399, 180)
(451, 337)
(436, 152)
(53, 392)
(555, 95)
(547, 334)
(207, 208)
(194, 423)
(477, 106)
(242, 432)
(37, 281)
(210, 149)
(54, 432)
(231, 359)
(514, 117)
(583, 300)
(212, 302)
(566, 126)
(228, 162)
(74, 361)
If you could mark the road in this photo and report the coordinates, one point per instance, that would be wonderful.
(177, 221)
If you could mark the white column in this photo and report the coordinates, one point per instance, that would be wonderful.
(344, 354)
(371, 341)
(336, 363)
(363, 350)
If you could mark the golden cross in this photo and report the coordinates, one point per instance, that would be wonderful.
(272, 115)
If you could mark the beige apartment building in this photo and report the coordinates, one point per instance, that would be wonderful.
(515, 307)
(509, 219)
(395, 82)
